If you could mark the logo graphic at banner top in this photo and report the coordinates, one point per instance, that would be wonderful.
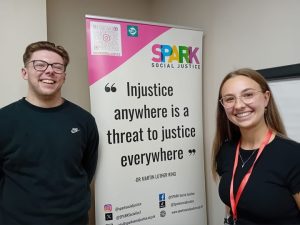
(132, 31)
(179, 54)
(109, 44)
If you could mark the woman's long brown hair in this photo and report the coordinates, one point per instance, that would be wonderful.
(226, 130)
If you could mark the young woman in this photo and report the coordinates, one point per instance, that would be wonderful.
(258, 166)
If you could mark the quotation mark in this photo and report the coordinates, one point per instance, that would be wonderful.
(192, 151)
(110, 88)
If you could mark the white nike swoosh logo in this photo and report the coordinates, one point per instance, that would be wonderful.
(74, 130)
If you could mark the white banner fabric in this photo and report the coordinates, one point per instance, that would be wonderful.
(146, 95)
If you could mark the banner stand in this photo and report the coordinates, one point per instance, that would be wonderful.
(146, 95)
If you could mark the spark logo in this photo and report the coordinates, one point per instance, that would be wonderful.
(179, 54)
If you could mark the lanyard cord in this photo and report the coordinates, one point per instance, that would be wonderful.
(234, 200)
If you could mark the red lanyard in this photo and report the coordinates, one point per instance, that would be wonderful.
(234, 201)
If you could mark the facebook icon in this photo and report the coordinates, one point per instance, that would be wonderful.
(162, 197)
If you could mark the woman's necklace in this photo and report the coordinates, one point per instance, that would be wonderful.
(244, 162)
(234, 199)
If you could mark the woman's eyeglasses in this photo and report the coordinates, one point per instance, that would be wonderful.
(248, 97)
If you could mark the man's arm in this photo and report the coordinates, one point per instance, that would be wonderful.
(90, 157)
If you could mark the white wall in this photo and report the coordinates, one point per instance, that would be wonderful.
(21, 22)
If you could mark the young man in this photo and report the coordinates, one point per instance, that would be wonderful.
(48, 147)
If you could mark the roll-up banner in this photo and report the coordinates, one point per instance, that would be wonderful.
(146, 95)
